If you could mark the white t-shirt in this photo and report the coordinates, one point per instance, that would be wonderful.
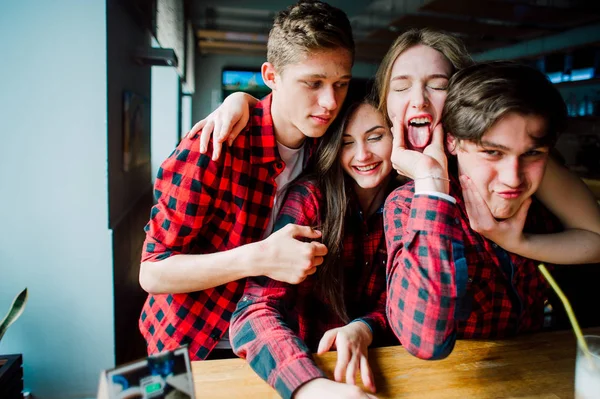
(293, 159)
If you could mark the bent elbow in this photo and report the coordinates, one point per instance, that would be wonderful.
(147, 278)
(438, 350)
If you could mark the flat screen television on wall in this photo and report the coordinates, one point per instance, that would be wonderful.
(243, 79)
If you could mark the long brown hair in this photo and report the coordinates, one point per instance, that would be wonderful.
(451, 47)
(329, 176)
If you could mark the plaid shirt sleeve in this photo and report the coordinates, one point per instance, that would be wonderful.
(426, 271)
(260, 326)
(376, 320)
(182, 202)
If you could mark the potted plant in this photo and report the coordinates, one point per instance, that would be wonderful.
(11, 372)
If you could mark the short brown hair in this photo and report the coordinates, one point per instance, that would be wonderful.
(451, 47)
(307, 26)
(480, 95)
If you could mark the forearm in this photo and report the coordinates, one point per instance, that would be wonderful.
(185, 273)
(259, 333)
(571, 246)
(425, 277)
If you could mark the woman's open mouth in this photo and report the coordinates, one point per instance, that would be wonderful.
(365, 169)
(419, 131)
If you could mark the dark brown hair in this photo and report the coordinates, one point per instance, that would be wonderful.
(480, 95)
(326, 171)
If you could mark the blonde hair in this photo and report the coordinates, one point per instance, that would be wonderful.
(304, 27)
(451, 47)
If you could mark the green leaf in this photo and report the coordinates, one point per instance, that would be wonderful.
(17, 307)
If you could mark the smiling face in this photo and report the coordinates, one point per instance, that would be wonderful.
(508, 165)
(308, 94)
(367, 148)
(417, 92)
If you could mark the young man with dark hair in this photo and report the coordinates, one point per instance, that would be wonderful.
(210, 228)
(445, 280)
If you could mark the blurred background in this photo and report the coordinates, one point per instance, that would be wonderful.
(95, 94)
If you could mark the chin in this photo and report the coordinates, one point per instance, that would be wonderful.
(504, 214)
(315, 133)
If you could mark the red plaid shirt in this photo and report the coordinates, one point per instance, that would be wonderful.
(446, 281)
(276, 325)
(206, 206)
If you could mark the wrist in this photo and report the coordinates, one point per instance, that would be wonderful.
(365, 331)
(518, 246)
(432, 182)
(304, 391)
(253, 258)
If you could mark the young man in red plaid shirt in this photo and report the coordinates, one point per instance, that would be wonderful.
(210, 227)
(445, 280)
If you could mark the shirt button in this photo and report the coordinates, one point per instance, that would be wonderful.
(494, 245)
(367, 263)
(214, 336)
(470, 280)
(456, 221)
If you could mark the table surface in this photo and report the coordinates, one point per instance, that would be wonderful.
(538, 365)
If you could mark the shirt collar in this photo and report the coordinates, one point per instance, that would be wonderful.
(262, 133)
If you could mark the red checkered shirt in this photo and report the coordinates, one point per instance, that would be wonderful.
(276, 325)
(206, 206)
(446, 281)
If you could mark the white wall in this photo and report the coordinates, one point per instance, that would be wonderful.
(208, 78)
(53, 203)
(165, 115)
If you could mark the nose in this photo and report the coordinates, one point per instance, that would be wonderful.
(510, 172)
(327, 98)
(362, 152)
(418, 97)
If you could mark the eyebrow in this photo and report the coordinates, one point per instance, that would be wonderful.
(489, 144)
(368, 130)
(322, 76)
(434, 76)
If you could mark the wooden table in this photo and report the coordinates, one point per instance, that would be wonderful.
(531, 366)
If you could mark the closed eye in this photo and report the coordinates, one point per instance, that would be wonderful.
(313, 85)
(492, 153)
(534, 153)
(440, 88)
(375, 138)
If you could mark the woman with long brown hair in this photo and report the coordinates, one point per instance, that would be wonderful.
(342, 305)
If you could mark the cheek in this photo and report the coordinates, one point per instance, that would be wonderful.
(437, 102)
(480, 173)
(535, 173)
(386, 151)
(346, 158)
(395, 103)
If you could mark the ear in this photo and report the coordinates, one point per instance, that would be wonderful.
(451, 143)
(269, 73)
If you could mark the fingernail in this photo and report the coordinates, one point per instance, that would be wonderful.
(202, 149)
